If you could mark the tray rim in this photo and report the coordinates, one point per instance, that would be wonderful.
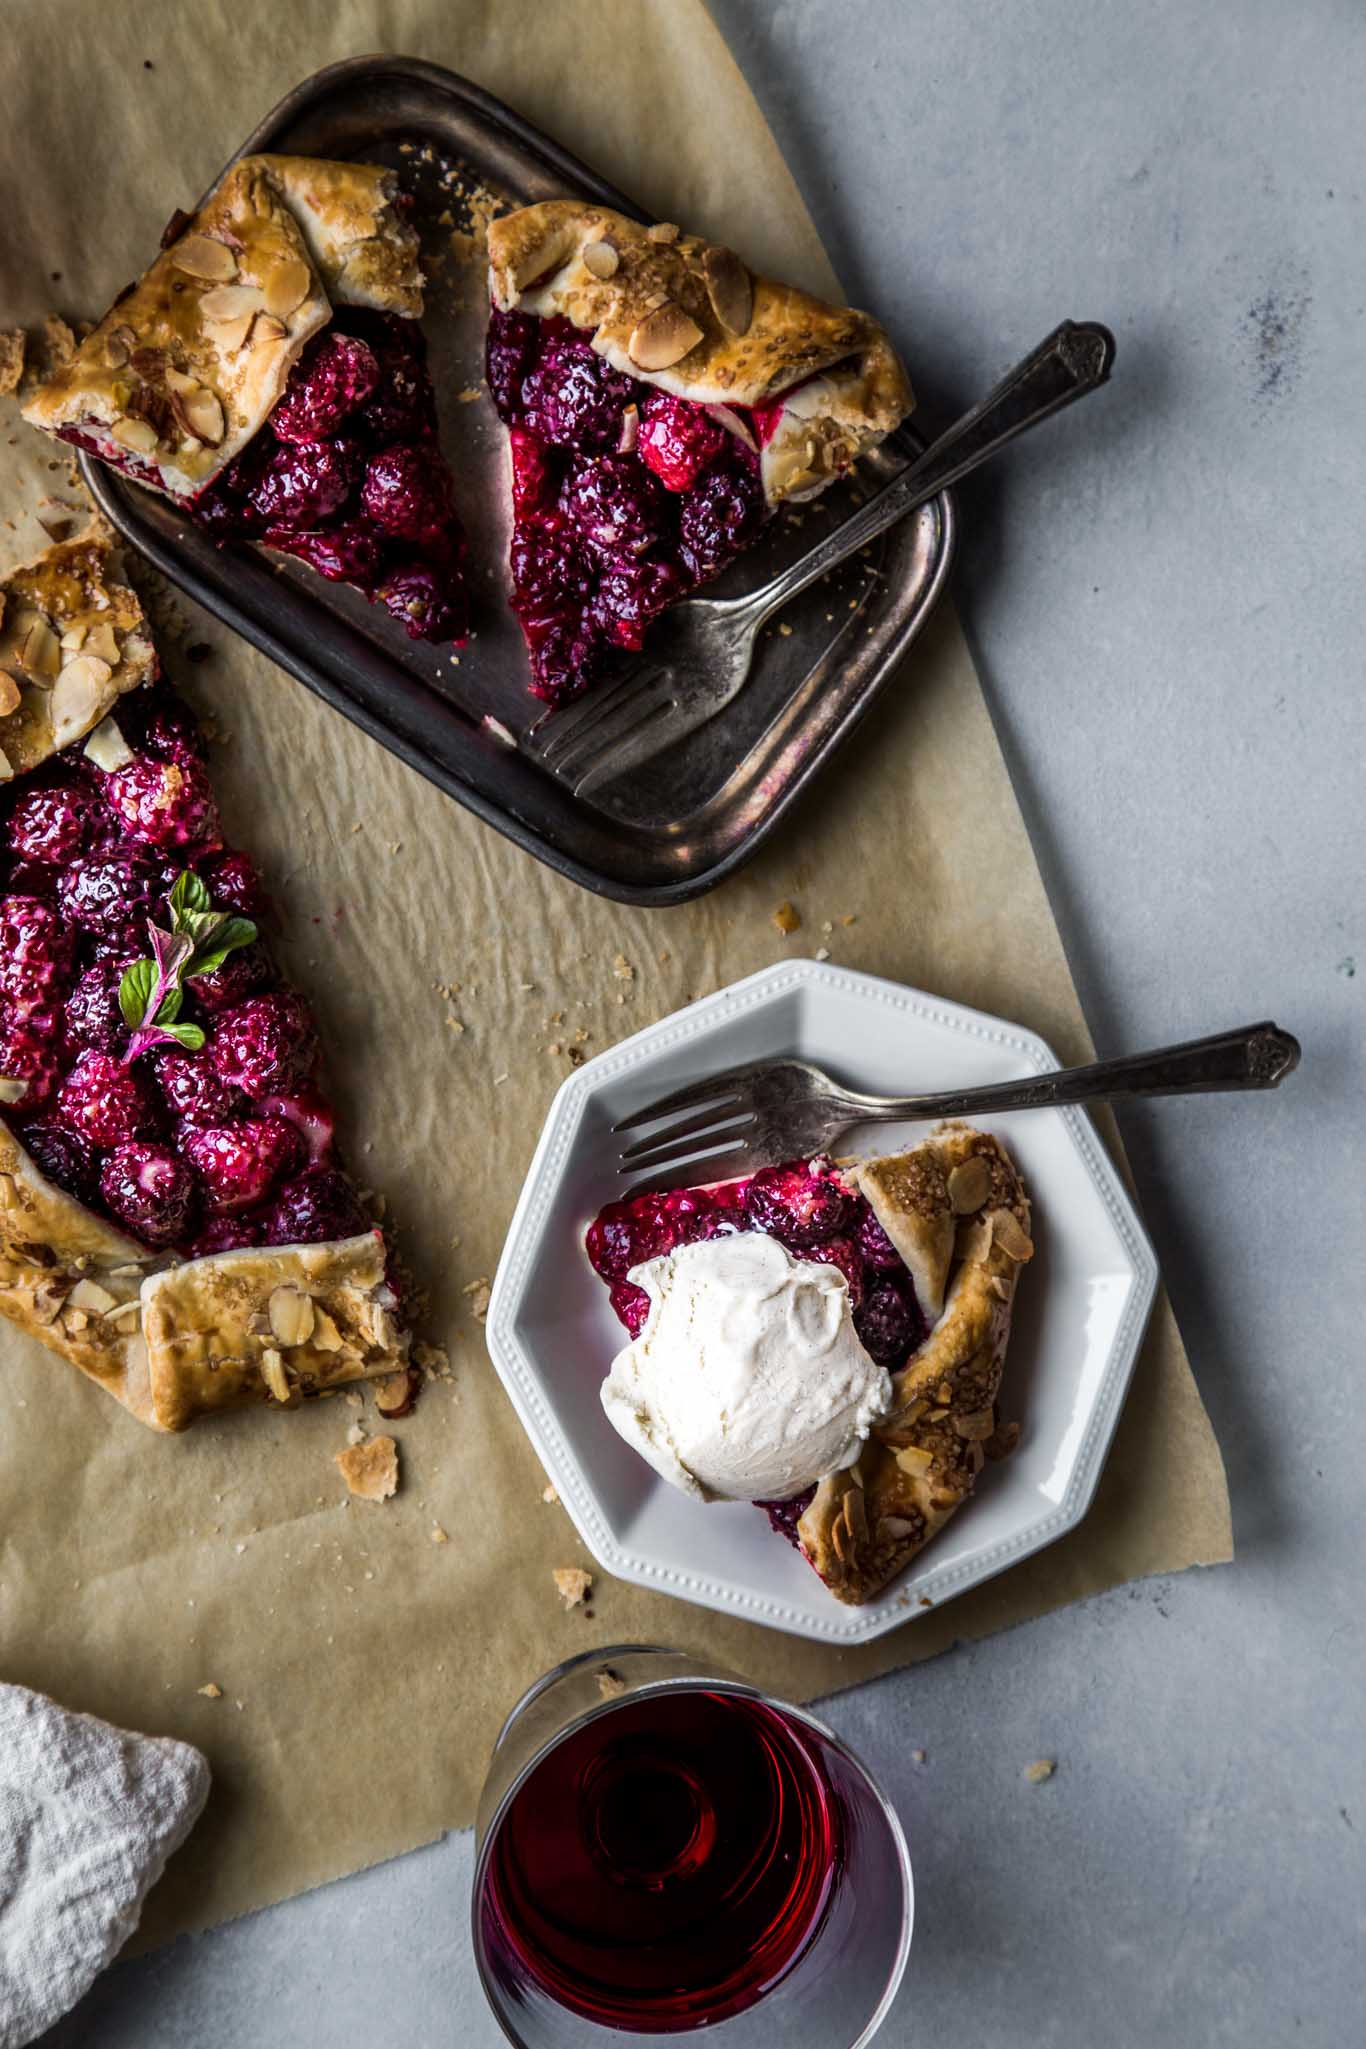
(120, 504)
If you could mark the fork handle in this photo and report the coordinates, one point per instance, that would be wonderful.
(1075, 359)
(1258, 1056)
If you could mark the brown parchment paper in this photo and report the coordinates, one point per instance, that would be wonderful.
(364, 1666)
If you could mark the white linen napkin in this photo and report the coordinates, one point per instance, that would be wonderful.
(88, 1816)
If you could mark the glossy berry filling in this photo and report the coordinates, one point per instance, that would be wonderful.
(806, 1206)
(184, 1145)
(624, 498)
(347, 474)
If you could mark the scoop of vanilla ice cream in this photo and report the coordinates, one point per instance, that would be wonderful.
(747, 1380)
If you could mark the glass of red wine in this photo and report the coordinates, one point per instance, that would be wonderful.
(661, 1847)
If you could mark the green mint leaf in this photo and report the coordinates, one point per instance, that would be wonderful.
(169, 1010)
(214, 950)
(135, 992)
(187, 1035)
(189, 897)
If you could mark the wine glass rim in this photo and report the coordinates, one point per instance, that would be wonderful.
(692, 1682)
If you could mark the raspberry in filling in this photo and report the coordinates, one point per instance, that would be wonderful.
(347, 474)
(805, 1205)
(625, 498)
(179, 1102)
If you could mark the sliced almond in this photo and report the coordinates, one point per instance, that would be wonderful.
(101, 640)
(601, 259)
(894, 1528)
(73, 640)
(200, 414)
(913, 1459)
(664, 337)
(274, 1375)
(326, 1336)
(396, 1394)
(229, 302)
(969, 1185)
(10, 694)
(630, 430)
(727, 417)
(231, 335)
(203, 256)
(977, 1424)
(538, 261)
(90, 1295)
(107, 747)
(176, 380)
(663, 231)
(123, 1312)
(729, 287)
(116, 349)
(291, 1316)
(77, 697)
(12, 1090)
(287, 286)
(41, 652)
(139, 435)
(267, 328)
(1008, 1235)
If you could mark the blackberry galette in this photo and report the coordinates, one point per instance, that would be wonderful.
(269, 374)
(661, 400)
(173, 1218)
(855, 1352)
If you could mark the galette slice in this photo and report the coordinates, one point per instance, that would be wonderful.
(662, 401)
(269, 374)
(173, 1216)
(72, 642)
(929, 1242)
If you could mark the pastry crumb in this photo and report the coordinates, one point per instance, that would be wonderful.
(572, 1584)
(549, 1494)
(1041, 1769)
(13, 342)
(211, 1691)
(787, 919)
(479, 1294)
(822, 953)
(917, 1757)
(785, 629)
(439, 1536)
(355, 1433)
(370, 1470)
(611, 1685)
(622, 969)
(59, 343)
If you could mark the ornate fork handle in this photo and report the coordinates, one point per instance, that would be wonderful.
(1256, 1057)
(1073, 360)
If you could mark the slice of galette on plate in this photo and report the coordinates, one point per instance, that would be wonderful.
(826, 1340)
(173, 1218)
(662, 401)
(268, 373)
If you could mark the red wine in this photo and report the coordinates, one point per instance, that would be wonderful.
(664, 1867)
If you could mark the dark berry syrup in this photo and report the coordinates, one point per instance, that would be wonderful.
(666, 1866)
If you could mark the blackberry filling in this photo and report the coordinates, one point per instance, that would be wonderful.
(624, 498)
(185, 1111)
(347, 475)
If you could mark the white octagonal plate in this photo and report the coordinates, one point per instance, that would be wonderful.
(1080, 1312)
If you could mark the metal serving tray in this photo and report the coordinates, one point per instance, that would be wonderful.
(674, 827)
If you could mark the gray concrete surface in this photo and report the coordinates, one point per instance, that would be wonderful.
(1166, 599)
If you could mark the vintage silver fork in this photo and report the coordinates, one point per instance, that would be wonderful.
(756, 1115)
(700, 653)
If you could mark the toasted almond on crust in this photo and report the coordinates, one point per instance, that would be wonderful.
(663, 337)
(729, 287)
(203, 256)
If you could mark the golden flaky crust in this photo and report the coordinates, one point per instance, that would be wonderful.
(277, 1323)
(920, 1464)
(687, 316)
(175, 1339)
(72, 640)
(186, 366)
